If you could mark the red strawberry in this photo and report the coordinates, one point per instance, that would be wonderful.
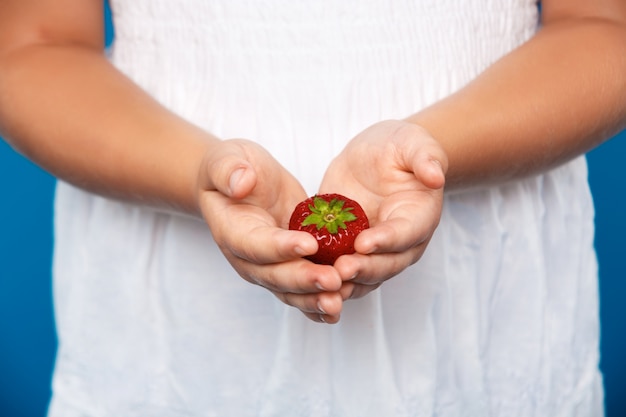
(334, 220)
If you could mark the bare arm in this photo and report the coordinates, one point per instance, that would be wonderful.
(64, 106)
(555, 97)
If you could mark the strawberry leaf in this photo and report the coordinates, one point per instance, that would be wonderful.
(330, 215)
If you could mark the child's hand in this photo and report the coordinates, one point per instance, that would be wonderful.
(246, 198)
(396, 170)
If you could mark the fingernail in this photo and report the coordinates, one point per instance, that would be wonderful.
(299, 251)
(234, 179)
(372, 250)
(438, 164)
(319, 286)
(319, 307)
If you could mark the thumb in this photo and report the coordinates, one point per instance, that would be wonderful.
(241, 181)
(231, 174)
(429, 164)
(430, 171)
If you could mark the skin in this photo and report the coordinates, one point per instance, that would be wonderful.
(554, 98)
(52, 65)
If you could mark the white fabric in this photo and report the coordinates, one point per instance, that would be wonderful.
(499, 318)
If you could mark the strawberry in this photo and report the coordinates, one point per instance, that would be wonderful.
(334, 220)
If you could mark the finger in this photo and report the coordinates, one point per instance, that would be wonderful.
(241, 181)
(361, 290)
(372, 270)
(397, 234)
(425, 158)
(323, 318)
(251, 233)
(351, 290)
(325, 304)
(298, 276)
(268, 244)
(430, 171)
(232, 177)
(230, 172)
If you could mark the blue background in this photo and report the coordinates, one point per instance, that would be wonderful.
(27, 336)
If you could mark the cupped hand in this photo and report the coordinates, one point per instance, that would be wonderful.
(246, 198)
(396, 171)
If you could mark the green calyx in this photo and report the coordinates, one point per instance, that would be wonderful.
(330, 215)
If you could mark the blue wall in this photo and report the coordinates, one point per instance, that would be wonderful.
(608, 184)
(27, 338)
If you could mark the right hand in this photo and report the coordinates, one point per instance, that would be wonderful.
(246, 198)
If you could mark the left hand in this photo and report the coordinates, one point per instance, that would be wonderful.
(396, 171)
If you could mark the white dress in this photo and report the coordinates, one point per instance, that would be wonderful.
(499, 318)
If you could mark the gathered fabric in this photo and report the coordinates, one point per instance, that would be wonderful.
(499, 317)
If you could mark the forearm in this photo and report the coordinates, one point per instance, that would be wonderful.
(70, 111)
(554, 98)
